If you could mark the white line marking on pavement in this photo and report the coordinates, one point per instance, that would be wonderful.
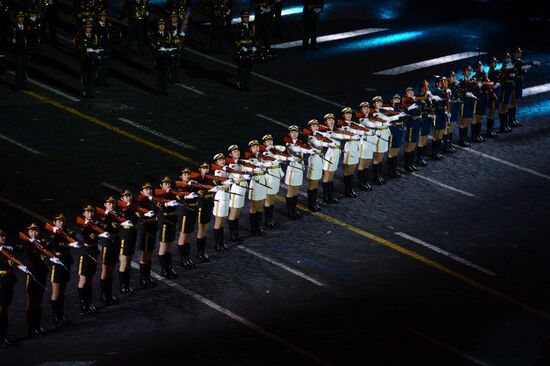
(53, 90)
(156, 133)
(237, 318)
(445, 253)
(519, 167)
(450, 348)
(423, 64)
(332, 37)
(468, 194)
(280, 83)
(202, 299)
(272, 120)
(193, 89)
(280, 265)
(111, 186)
(24, 147)
(536, 90)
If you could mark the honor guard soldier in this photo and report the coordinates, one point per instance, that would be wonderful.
(61, 241)
(102, 29)
(175, 55)
(494, 75)
(20, 46)
(351, 155)
(147, 233)
(263, 18)
(367, 144)
(85, 11)
(315, 163)
(92, 232)
(180, 6)
(34, 9)
(110, 248)
(4, 22)
(467, 89)
(218, 10)
(7, 281)
(397, 131)
(441, 113)
(414, 124)
(161, 42)
(520, 69)
(128, 237)
(50, 19)
(427, 123)
(87, 45)
(187, 218)
(258, 186)
(238, 190)
(481, 102)
(273, 179)
(455, 105)
(38, 254)
(137, 12)
(507, 78)
(295, 169)
(310, 17)
(167, 227)
(381, 128)
(206, 204)
(221, 203)
(244, 38)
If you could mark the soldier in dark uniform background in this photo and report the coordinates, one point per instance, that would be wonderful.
(50, 18)
(128, 236)
(7, 280)
(137, 12)
(160, 42)
(147, 234)
(310, 17)
(206, 204)
(35, 288)
(277, 12)
(187, 218)
(454, 110)
(175, 56)
(102, 29)
(110, 246)
(85, 11)
(520, 69)
(20, 48)
(229, 20)
(494, 75)
(397, 130)
(4, 22)
(167, 228)
(481, 103)
(441, 116)
(507, 79)
(183, 11)
(244, 38)
(467, 89)
(87, 45)
(87, 263)
(218, 9)
(263, 19)
(60, 275)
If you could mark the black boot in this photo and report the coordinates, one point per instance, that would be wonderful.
(476, 133)
(326, 193)
(408, 162)
(269, 217)
(377, 174)
(224, 247)
(391, 169)
(363, 180)
(395, 168)
(171, 269)
(142, 280)
(512, 121)
(490, 133)
(82, 298)
(234, 231)
(463, 137)
(145, 271)
(201, 250)
(88, 290)
(295, 207)
(348, 188)
(57, 322)
(107, 296)
(290, 208)
(312, 200)
(449, 146)
(252, 221)
(218, 241)
(163, 262)
(124, 283)
(259, 227)
(435, 150)
(185, 258)
(479, 135)
(420, 156)
(503, 119)
(62, 309)
(331, 193)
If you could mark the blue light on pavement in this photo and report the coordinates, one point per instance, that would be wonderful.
(380, 41)
(535, 110)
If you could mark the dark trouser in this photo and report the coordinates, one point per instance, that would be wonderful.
(311, 20)
(4, 321)
(35, 293)
(136, 32)
(103, 71)
(87, 79)
(216, 33)
(51, 17)
(263, 27)
(243, 72)
(21, 65)
(277, 10)
(4, 23)
(161, 75)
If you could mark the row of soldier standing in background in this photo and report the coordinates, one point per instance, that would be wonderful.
(182, 210)
(96, 36)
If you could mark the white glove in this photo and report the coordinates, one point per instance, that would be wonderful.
(190, 196)
(244, 49)
(536, 63)
(23, 268)
(411, 107)
(431, 116)
(150, 198)
(479, 84)
(5, 247)
(228, 12)
(292, 158)
(448, 91)
(232, 166)
(105, 235)
(268, 164)
(33, 18)
(89, 50)
(332, 144)
(436, 98)
(470, 95)
(512, 75)
(526, 67)
(317, 10)
(55, 229)
(356, 137)
(55, 260)
(429, 94)
(246, 176)
(149, 214)
(33, 240)
(182, 34)
(171, 203)
(86, 222)
(127, 223)
(75, 245)
(214, 189)
(448, 114)
(162, 49)
(107, 212)
(496, 85)
(253, 49)
(256, 170)
(227, 182)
